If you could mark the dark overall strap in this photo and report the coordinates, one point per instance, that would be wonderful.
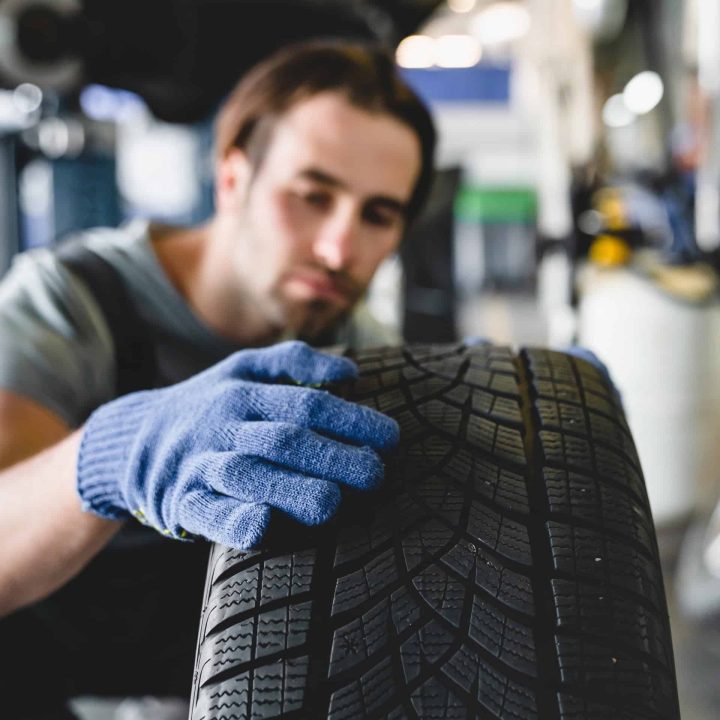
(134, 350)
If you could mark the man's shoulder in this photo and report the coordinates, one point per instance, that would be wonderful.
(126, 242)
(39, 283)
(113, 244)
(55, 346)
(128, 250)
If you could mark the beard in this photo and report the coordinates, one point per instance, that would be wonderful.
(315, 320)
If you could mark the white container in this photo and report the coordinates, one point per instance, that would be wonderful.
(658, 331)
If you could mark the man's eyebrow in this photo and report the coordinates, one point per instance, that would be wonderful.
(320, 176)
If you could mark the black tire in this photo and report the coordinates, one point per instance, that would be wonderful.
(508, 568)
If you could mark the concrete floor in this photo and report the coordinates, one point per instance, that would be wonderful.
(130, 709)
(696, 644)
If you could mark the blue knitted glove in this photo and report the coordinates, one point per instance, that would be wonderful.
(210, 456)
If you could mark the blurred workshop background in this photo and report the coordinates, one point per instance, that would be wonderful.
(577, 199)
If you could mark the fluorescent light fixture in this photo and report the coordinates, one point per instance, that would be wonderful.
(616, 113)
(109, 104)
(416, 51)
(58, 137)
(27, 98)
(461, 6)
(20, 108)
(643, 92)
(501, 22)
(457, 51)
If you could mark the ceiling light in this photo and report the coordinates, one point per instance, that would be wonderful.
(616, 113)
(643, 92)
(461, 6)
(27, 98)
(602, 19)
(416, 51)
(457, 51)
(501, 22)
(110, 104)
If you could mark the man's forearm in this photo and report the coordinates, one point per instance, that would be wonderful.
(45, 537)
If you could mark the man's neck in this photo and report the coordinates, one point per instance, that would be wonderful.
(197, 267)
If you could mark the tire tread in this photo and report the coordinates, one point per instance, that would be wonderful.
(507, 568)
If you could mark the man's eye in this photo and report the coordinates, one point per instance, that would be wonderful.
(380, 218)
(316, 199)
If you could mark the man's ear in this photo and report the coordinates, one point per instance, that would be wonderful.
(232, 179)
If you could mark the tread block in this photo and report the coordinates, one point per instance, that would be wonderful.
(588, 555)
(615, 435)
(434, 701)
(441, 416)
(502, 637)
(491, 688)
(491, 578)
(353, 643)
(440, 498)
(425, 647)
(365, 584)
(591, 667)
(226, 700)
(495, 440)
(227, 559)
(579, 708)
(507, 537)
(612, 466)
(597, 503)
(405, 609)
(431, 539)
(357, 542)
(232, 647)
(282, 629)
(278, 688)
(441, 592)
(567, 451)
(365, 696)
(426, 453)
(584, 609)
(505, 487)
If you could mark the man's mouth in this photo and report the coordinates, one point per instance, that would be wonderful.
(322, 287)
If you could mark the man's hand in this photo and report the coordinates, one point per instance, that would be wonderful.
(210, 456)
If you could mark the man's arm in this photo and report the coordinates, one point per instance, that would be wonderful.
(208, 457)
(45, 536)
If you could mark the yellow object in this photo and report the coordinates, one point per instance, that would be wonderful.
(694, 283)
(611, 206)
(609, 251)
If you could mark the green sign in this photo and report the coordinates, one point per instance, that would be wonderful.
(496, 204)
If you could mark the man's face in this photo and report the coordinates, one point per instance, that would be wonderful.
(325, 207)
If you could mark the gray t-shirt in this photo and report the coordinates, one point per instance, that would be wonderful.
(56, 348)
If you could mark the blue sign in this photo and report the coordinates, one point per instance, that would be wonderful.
(481, 83)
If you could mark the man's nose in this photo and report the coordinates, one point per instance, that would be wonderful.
(336, 244)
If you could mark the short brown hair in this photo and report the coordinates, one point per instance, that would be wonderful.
(365, 74)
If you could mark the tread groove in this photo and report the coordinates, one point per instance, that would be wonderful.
(546, 700)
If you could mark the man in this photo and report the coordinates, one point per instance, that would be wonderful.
(323, 156)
